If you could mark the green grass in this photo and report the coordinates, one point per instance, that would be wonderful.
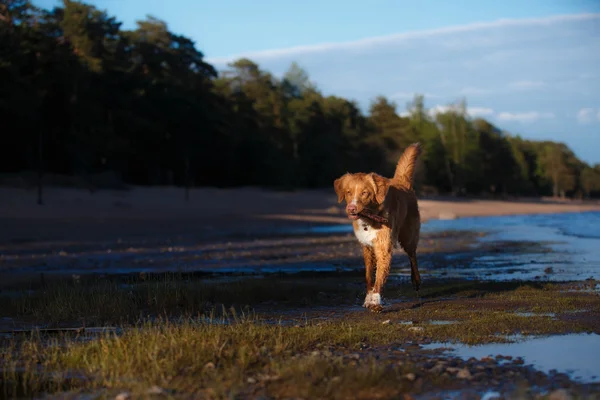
(169, 339)
(114, 302)
(102, 301)
(192, 356)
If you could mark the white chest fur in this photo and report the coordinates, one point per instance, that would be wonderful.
(365, 233)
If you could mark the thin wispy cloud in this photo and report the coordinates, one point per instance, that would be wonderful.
(440, 109)
(588, 115)
(530, 116)
(585, 115)
(471, 111)
(480, 111)
(533, 74)
(408, 36)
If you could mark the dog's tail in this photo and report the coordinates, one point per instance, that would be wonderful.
(405, 169)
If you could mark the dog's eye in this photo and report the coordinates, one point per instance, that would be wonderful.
(347, 191)
(364, 193)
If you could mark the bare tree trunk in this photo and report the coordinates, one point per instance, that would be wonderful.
(40, 200)
(187, 179)
(555, 188)
(447, 162)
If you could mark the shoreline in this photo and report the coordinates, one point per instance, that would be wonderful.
(417, 342)
(211, 213)
(142, 201)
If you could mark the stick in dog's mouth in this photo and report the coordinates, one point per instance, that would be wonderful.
(374, 217)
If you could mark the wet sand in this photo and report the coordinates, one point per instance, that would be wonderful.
(312, 273)
(75, 214)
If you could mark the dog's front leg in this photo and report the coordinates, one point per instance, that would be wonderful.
(383, 256)
(370, 262)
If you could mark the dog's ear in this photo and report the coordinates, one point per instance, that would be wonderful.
(340, 187)
(381, 187)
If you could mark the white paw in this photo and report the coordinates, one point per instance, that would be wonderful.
(372, 299)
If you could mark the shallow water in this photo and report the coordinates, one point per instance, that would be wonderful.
(528, 247)
(573, 354)
(573, 238)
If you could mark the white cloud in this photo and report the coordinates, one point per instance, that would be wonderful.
(529, 116)
(439, 109)
(471, 111)
(585, 115)
(512, 68)
(402, 37)
(525, 84)
(479, 111)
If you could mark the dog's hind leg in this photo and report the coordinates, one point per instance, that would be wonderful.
(409, 240)
(415, 276)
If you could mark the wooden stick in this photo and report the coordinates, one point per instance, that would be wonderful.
(374, 217)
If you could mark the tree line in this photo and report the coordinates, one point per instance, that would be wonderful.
(80, 95)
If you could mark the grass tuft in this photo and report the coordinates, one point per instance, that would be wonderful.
(218, 340)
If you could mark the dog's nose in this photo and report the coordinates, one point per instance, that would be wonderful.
(351, 208)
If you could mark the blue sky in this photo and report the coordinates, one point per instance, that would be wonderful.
(531, 67)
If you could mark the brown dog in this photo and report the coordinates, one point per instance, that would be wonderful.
(385, 214)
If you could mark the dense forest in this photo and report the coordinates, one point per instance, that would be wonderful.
(81, 96)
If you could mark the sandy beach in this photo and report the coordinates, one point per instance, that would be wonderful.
(146, 211)
(97, 262)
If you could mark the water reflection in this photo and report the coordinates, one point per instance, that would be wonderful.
(573, 354)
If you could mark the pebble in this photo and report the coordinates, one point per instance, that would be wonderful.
(123, 396)
(437, 368)
(464, 374)
(386, 322)
(560, 394)
(267, 378)
(453, 362)
(209, 365)
(410, 376)
(479, 376)
(155, 390)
